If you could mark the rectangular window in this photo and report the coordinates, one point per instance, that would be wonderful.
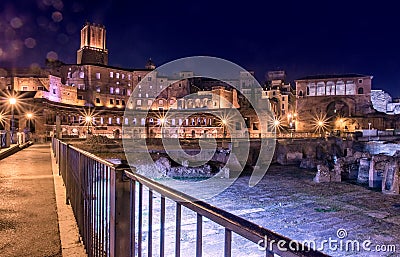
(101, 120)
(123, 102)
(97, 75)
(54, 91)
(81, 75)
(24, 88)
(117, 102)
(122, 76)
(149, 78)
(111, 74)
(139, 102)
(117, 91)
(111, 90)
(118, 120)
(110, 120)
(139, 78)
(40, 88)
(139, 95)
(360, 81)
(97, 100)
(129, 92)
(111, 101)
(80, 97)
(283, 106)
(129, 76)
(117, 75)
(98, 89)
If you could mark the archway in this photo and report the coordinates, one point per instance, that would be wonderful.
(337, 108)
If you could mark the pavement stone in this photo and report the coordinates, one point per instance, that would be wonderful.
(28, 212)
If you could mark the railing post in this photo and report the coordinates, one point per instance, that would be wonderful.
(67, 176)
(122, 241)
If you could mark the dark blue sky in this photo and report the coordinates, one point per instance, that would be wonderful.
(301, 37)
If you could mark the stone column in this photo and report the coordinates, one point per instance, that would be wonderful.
(390, 181)
(364, 170)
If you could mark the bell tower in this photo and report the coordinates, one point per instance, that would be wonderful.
(93, 45)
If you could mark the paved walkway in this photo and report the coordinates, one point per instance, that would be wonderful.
(28, 213)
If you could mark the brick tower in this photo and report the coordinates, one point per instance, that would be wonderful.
(93, 45)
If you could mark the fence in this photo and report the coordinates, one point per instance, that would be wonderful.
(106, 199)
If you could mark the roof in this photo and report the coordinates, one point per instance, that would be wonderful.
(333, 76)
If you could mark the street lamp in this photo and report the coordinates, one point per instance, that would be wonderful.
(88, 120)
(12, 101)
(223, 125)
(29, 116)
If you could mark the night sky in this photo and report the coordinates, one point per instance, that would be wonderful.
(301, 37)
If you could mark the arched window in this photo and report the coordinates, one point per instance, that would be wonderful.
(361, 91)
(300, 93)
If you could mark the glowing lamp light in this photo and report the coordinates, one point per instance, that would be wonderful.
(12, 100)
(224, 121)
(29, 115)
(88, 119)
(276, 123)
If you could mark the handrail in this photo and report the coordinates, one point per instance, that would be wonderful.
(245, 228)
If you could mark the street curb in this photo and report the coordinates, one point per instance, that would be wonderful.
(14, 150)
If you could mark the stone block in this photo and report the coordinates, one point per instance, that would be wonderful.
(326, 175)
(363, 171)
(390, 181)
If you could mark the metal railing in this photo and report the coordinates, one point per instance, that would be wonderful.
(108, 204)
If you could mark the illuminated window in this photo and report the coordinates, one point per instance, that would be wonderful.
(122, 76)
(139, 95)
(98, 89)
(147, 95)
(149, 78)
(81, 75)
(111, 74)
(98, 75)
(110, 120)
(143, 121)
(139, 102)
(129, 76)
(117, 75)
(160, 102)
(117, 91)
(118, 120)
(129, 92)
(111, 90)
